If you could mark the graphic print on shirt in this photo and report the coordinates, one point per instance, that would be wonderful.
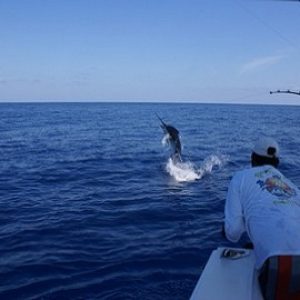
(275, 185)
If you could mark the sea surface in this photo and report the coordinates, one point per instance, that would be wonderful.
(92, 208)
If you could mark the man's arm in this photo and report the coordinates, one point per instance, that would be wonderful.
(234, 219)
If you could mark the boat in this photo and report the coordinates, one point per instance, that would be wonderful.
(229, 274)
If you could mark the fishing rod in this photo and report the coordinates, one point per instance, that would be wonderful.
(288, 0)
(286, 92)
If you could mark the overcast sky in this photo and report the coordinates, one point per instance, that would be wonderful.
(149, 50)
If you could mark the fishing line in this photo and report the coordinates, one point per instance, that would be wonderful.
(267, 25)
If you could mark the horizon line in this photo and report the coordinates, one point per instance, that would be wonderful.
(141, 102)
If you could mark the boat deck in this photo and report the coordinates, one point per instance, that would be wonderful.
(228, 279)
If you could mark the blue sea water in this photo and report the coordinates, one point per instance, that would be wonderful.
(91, 209)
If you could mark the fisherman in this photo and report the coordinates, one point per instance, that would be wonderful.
(264, 203)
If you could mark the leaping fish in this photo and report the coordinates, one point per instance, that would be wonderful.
(172, 136)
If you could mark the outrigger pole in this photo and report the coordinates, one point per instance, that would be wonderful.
(286, 92)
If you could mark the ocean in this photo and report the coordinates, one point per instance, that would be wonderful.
(92, 208)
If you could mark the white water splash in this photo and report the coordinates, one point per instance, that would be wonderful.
(186, 171)
(212, 162)
(165, 140)
(182, 171)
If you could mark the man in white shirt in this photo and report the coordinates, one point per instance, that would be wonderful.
(264, 203)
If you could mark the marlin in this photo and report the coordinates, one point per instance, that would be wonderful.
(173, 139)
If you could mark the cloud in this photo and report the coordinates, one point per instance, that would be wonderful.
(7, 81)
(259, 63)
(3, 81)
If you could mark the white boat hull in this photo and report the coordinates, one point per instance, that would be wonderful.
(228, 279)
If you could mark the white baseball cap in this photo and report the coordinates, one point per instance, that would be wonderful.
(266, 146)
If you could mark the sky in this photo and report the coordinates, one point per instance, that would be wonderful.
(211, 51)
